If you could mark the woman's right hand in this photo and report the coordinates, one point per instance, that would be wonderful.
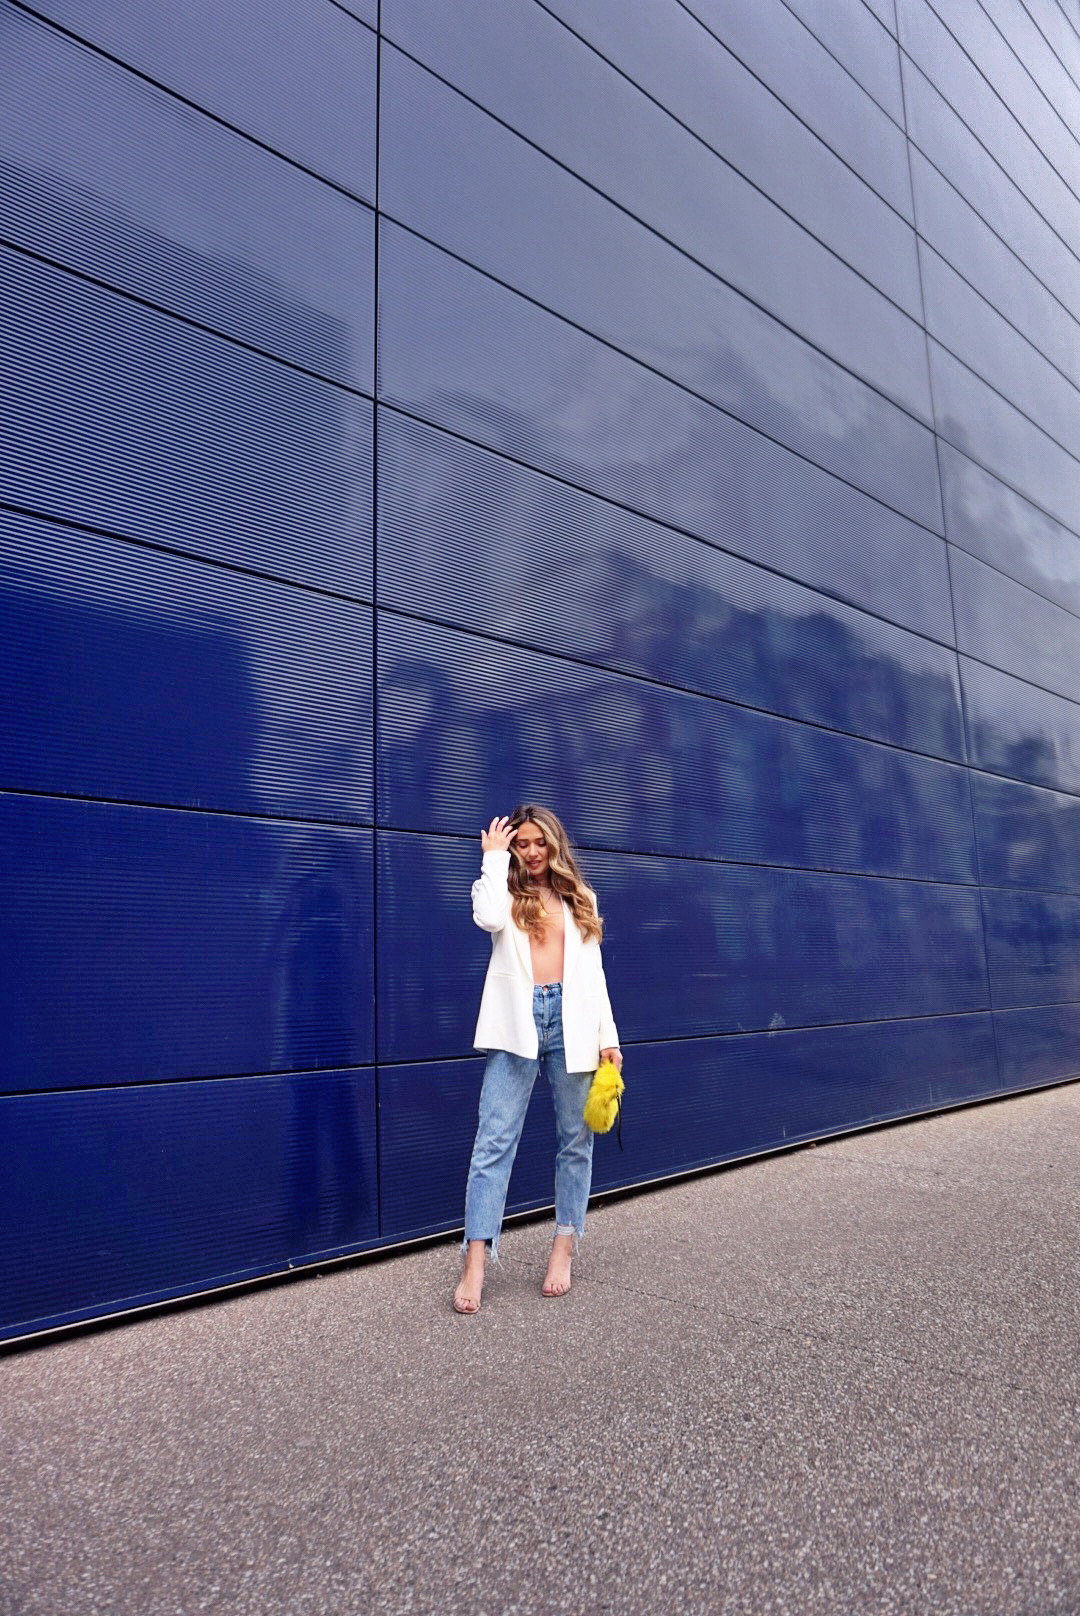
(498, 836)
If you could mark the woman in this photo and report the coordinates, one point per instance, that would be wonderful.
(545, 999)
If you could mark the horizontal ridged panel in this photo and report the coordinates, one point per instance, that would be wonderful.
(1021, 731)
(985, 342)
(1028, 837)
(1009, 84)
(464, 723)
(691, 948)
(621, 591)
(736, 1096)
(124, 1196)
(505, 54)
(885, 13)
(741, 1095)
(956, 232)
(1038, 1046)
(299, 78)
(143, 944)
(104, 174)
(851, 31)
(1033, 947)
(979, 336)
(1049, 47)
(1063, 36)
(427, 1123)
(981, 105)
(130, 673)
(769, 40)
(978, 421)
(990, 520)
(948, 143)
(122, 418)
(366, 10)
(467, 353)
(501, 204)
(646, 595)
(1001, 622)
(675, 61)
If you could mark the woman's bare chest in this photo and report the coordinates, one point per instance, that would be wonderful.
(547, 946)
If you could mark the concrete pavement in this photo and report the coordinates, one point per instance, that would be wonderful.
(844, 1379)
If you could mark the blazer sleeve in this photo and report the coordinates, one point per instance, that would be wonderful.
(490, 894)
(609, 1033)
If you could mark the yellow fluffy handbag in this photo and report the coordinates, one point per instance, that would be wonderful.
(603, 1103)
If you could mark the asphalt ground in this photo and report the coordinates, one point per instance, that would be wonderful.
(845, 1379)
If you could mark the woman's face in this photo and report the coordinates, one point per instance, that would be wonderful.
(530, 843)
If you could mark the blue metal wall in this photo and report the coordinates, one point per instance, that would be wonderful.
(665, 410)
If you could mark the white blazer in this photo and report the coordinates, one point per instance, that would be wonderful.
(506, 1013)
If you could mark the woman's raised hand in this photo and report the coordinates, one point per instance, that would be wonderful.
(498, 836)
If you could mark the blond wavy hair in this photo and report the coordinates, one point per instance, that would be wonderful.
(563, 873)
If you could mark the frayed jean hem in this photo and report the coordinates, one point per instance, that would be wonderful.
(491, 1241)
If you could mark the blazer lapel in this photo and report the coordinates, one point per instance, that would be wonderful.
(524, 949)
(571, 941)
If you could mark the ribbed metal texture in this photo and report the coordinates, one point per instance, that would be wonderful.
(124, 419)
(665, 599)
(960, 236)
(939, 133)
(684, 220)
(1019, 730)
(105, 174)
(772, 44)
(463, 721)
(707, 92)
(965, 57)
(137, 675)
(142, 944)
(462, 350)
(990, 428)
(1003, 623)
(298, 78)
(1038, 1046)
(1027, 837)
(178, 1187)
(1033, 947)
(709, 472)
(741, 1094)
(995, 523)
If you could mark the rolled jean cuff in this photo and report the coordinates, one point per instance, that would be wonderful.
(571, 1229)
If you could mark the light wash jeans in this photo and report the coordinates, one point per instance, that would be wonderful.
(504, 1099)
